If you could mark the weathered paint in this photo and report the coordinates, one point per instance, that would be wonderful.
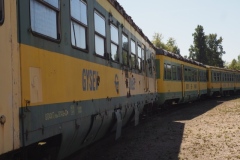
(10, 80)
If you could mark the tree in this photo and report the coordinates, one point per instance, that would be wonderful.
(172, 46)
(233, 64)
(214, 50)
(198, 49)
(157, 41)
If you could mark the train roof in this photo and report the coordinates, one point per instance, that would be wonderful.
(128, 18)
(160, 51)
(224, 69)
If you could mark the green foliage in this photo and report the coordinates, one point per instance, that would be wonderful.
(198, 49)
(170, 46)
(235, 64)
(214, 50)
(206, 49)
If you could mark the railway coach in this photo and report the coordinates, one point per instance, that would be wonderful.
(71, 72)
(179, 79)
(222, 81)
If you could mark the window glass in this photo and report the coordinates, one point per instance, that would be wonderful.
(169, 71)
(179, 73)
(44, 18)
(114, 34)
(99, 24)
(114, 44)
(114, 52)
(186, 74)
(54, 3)
(99, 45)
(174, 72)
(79, 11)
(78, 24)
(1, 11)
(78, 34)
(139, 57)
(124, 57)
(133, 49)
(125, 42)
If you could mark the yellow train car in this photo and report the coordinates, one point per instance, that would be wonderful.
(10, 93)
(178, 79)
(221, 81)
(73, 70)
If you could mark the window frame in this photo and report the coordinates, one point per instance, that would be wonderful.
(58, 26)
(125, 49)
(3, 13)
(85, 26)
(100, 35)
(133, 54)
(114, 43)
(139, 55)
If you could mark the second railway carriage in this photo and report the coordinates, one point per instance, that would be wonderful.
(222, 81)
(178, 79)
(85, 69)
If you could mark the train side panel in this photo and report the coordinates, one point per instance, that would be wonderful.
(10, 78)
(76, 95)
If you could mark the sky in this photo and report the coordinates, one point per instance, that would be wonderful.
(179, 18)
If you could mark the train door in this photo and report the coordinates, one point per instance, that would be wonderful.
(9, 79)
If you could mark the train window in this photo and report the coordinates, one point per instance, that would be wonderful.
(1, 11)
(44, 17)
(79, 24)
(139, 57)
(124, 49)
(174, 72)
(114, 43)
(133, 54)
(186, 74)
(179, 73)
(189, 75)
(165, 71)
(143, 58)
(100, 33)
(169, 68)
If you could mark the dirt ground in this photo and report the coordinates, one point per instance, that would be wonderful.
(205, 130)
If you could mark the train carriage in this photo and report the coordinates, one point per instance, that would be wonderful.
(221, 81)
(178, 79)
(74, 70)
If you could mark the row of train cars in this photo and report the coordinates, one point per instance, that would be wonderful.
(73, 71)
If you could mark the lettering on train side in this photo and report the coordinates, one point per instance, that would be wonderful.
(89, 80)
(56, 115)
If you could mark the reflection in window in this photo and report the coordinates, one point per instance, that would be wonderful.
(174, 72)
(125, 49)
(114, 43)
(79, 24)
(1, 12)
(133, 54)
(44, 19)
(100, 33)
(99, 45)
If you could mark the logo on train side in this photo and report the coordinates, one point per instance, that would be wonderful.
(90, 80)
